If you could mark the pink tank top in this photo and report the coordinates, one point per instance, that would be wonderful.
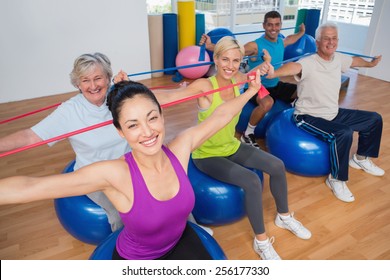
(153, 227)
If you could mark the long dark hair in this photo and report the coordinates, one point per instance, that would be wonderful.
(124, 90)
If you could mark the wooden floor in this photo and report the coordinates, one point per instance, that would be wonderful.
(358, 230)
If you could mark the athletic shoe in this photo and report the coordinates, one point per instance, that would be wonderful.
(367, 165)
(266, 251)
(249, 140)
(339, 189)
(293, 225)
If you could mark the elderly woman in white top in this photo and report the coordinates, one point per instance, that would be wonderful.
(92, 75)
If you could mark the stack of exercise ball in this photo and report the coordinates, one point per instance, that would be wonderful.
(181, 33)
(192, 26)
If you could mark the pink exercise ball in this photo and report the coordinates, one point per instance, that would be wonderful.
(190, 56)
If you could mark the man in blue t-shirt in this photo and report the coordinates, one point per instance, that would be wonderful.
(274, 44)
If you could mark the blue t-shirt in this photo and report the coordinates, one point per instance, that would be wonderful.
(276, 50)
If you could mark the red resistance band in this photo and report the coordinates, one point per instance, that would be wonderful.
(58, 104)
(262, 92)
(30, 113)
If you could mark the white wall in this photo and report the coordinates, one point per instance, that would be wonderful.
(352, 37)
(40, 39)
(378, 40)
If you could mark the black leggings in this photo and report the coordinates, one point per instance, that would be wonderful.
(189, 247)
(232, 170)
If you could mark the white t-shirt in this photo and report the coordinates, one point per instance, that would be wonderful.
(319, 85)
(99, 144)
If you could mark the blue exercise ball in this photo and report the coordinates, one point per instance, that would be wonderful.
(261, 127)
(106, 247)
(216, 202)
(301, 152)
(215, 35)
(81, 217)
(305, 44)
(104, 250)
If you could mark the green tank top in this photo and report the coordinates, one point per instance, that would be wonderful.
(223, 143)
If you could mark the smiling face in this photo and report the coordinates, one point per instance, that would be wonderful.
(272, 29)
(142, 125)
(327, 43)
(94, 85)
(228, 63)
(228, 53)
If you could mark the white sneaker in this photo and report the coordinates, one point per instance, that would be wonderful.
(339, 189)
(266, 251)
(250, 140)
(367, 165)
(293, 225)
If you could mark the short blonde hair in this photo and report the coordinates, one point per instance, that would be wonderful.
(227, 43)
